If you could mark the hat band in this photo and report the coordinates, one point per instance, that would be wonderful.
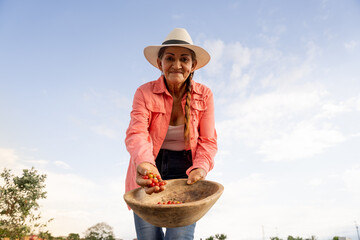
(174, 41)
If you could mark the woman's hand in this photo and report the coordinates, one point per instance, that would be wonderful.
(142, 170)
(196, 175)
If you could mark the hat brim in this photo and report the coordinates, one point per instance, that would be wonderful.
(202, 56)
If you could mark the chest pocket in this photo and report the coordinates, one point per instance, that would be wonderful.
(156, 109)
(198, 106)
(198, 103)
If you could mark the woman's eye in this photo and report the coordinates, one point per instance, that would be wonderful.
(169, 59)
(185, 59)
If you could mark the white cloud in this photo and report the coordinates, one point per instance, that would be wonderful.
(285, 124)
(312, 51)
(352, 180)
(235, 68)
(280, 103)
(239, 54)
(332, 108)
(315, 182)
(216, 51)
(351, 44)
(37, 162)
(279, 109)
(176, 16)
(8, 157)
(268, 115)
(222, 55)
(30, 149)
(305, 140)
(62, 164)
(76, 203)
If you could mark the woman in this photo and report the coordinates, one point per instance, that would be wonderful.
(172, 127)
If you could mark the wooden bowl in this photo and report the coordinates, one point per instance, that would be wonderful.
(196, 200)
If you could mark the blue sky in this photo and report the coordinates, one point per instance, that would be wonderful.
(286, 83)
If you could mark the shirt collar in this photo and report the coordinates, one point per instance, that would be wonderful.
(159, 86)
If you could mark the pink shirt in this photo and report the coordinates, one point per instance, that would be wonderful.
(150, 118)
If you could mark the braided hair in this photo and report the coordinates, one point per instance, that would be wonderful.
(187, 111)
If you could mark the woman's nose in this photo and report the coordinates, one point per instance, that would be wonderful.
(177, 64)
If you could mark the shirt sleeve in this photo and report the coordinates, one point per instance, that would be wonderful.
(138, 141)
(207, 142)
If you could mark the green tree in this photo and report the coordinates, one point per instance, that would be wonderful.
(45, 235)
(217, 236)
(19, 203)
(221, 236)
(100, 231)
(60, 238)
(73, 236)
(335, 238)
(300, 238)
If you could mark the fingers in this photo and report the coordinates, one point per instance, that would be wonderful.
(142, 182)
(156, 189)
(196, 175)
(151, 190)
(142, 170)
(145, 168)
(194, 179)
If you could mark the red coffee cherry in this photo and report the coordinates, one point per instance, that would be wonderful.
(155, 180)
(170, 202)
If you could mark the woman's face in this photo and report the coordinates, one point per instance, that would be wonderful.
(176, 64)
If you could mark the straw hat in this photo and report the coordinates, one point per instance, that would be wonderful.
(178, 37)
